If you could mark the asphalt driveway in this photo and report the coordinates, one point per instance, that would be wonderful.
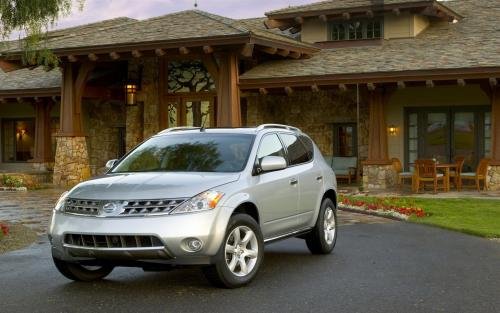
(384, 267)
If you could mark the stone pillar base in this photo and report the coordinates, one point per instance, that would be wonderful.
(42, 166)
(493, 178)
(72, 161)
(376, 177)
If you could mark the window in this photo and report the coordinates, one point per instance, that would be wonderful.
(344, 140)
(296, 151)
(270, 146)
(18, 140)
(356, 30)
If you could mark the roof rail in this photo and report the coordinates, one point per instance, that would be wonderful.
(176, 129)
(264, 126)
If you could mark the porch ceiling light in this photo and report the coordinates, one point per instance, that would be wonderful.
(131, 93)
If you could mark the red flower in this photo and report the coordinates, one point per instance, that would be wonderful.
(5, 229)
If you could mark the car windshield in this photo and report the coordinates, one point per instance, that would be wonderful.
(190, 152)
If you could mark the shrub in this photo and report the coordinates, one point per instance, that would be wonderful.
(11, 181)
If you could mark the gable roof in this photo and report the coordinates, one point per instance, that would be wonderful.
(471, 43)
(29, 79)
(190, 25)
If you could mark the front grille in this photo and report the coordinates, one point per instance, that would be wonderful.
(112, 241)
(130, 208)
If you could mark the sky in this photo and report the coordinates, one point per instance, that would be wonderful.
(96, 10)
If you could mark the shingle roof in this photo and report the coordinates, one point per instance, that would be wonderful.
(473, 42)
(191, 24)
(29, 79)
(337, 4)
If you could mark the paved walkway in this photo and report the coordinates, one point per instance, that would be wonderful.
(34, 208)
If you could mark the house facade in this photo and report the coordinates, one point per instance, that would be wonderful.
(374, 80)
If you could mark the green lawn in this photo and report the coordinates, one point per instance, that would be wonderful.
(478, 217)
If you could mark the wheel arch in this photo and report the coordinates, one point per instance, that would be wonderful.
(332, 195)
(248, 208)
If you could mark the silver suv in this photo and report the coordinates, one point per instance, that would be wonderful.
(195, 196)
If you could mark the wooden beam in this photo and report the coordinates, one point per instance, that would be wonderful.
(269, 50)
(136, 53)
(346, 15)
(342, 87)
(263, 91)
(429, 83)
(299, 19)
(183, 50)
(314, 88)
(208, 49)
(114, 55)
(247, 50)
(371, 86)
(72, 58)
(323, 18)
(369, 14)
(401, 84)
(493, 82)
(288, 90)
(396, 11)
(283, 52)
(295, 54)
(461, 82)
(93, 57)
(160, 52)
(378, 151)
(228, 92)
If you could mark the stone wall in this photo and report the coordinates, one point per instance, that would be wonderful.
(379, 177)
(313, 112)
(493, 178)
(72, 161)
(102, 129)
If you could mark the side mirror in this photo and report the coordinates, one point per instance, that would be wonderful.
(110, 164)
(272, 163)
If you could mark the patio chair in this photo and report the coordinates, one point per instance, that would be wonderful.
(398, 167)
(478, 176)
(455, 173)
(426, 172)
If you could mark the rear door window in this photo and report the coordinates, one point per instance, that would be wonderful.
(296, 151)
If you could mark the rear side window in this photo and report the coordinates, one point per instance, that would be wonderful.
(297, 152)
(270, 146)
(308, 144)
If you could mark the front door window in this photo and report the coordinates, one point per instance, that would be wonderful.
(344, 140)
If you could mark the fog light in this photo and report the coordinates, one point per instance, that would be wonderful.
(193, 244)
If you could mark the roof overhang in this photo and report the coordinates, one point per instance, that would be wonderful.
(428, 7)
(30, 93)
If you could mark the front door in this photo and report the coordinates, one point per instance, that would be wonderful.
(188, 110)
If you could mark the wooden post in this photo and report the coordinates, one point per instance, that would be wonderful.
(495, 124)
(228, 94)
(377, 142)
(43, 142)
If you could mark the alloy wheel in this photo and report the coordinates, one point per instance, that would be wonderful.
(329, 226)
(241, 251)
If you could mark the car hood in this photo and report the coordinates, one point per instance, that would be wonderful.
(132, 186)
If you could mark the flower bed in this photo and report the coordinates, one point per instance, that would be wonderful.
(4, 230)
(392, 207)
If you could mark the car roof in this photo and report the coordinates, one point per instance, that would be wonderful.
(229, 130)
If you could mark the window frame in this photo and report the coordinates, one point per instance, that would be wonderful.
(364, 26)
(335, 143)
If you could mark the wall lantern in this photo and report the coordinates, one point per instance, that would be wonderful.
(393, 130)
(131, 94)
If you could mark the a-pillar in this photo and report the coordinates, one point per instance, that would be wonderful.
(378, 172)
(72, 159)
(228, 94)
(43, 159)
(493, 179)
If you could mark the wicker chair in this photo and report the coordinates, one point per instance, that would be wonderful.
(455, 174)
(426, 172)
(478, 176)
(398, 167)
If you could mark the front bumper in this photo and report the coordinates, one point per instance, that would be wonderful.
(171, 230)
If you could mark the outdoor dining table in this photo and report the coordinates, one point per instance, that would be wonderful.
(446, 168)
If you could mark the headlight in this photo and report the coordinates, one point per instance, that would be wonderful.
(60, 203)
(205, 201)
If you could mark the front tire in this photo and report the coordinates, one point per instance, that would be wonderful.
(240, 255)
(323, 237)
(78, 272)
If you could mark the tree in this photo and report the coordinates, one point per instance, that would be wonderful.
(33, 19)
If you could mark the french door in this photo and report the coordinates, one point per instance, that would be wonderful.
(188, 110)
(444, 133)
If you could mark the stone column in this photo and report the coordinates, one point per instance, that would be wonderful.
(134, 126)
(43, 159)
(493, 178)
(72, 160)
(378, 172)
(228, 94)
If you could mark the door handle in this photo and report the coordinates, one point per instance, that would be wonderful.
(294, 181)
(319, 178)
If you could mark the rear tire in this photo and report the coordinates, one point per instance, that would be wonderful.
(323, 237)
(78, 272)
(240, 255)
